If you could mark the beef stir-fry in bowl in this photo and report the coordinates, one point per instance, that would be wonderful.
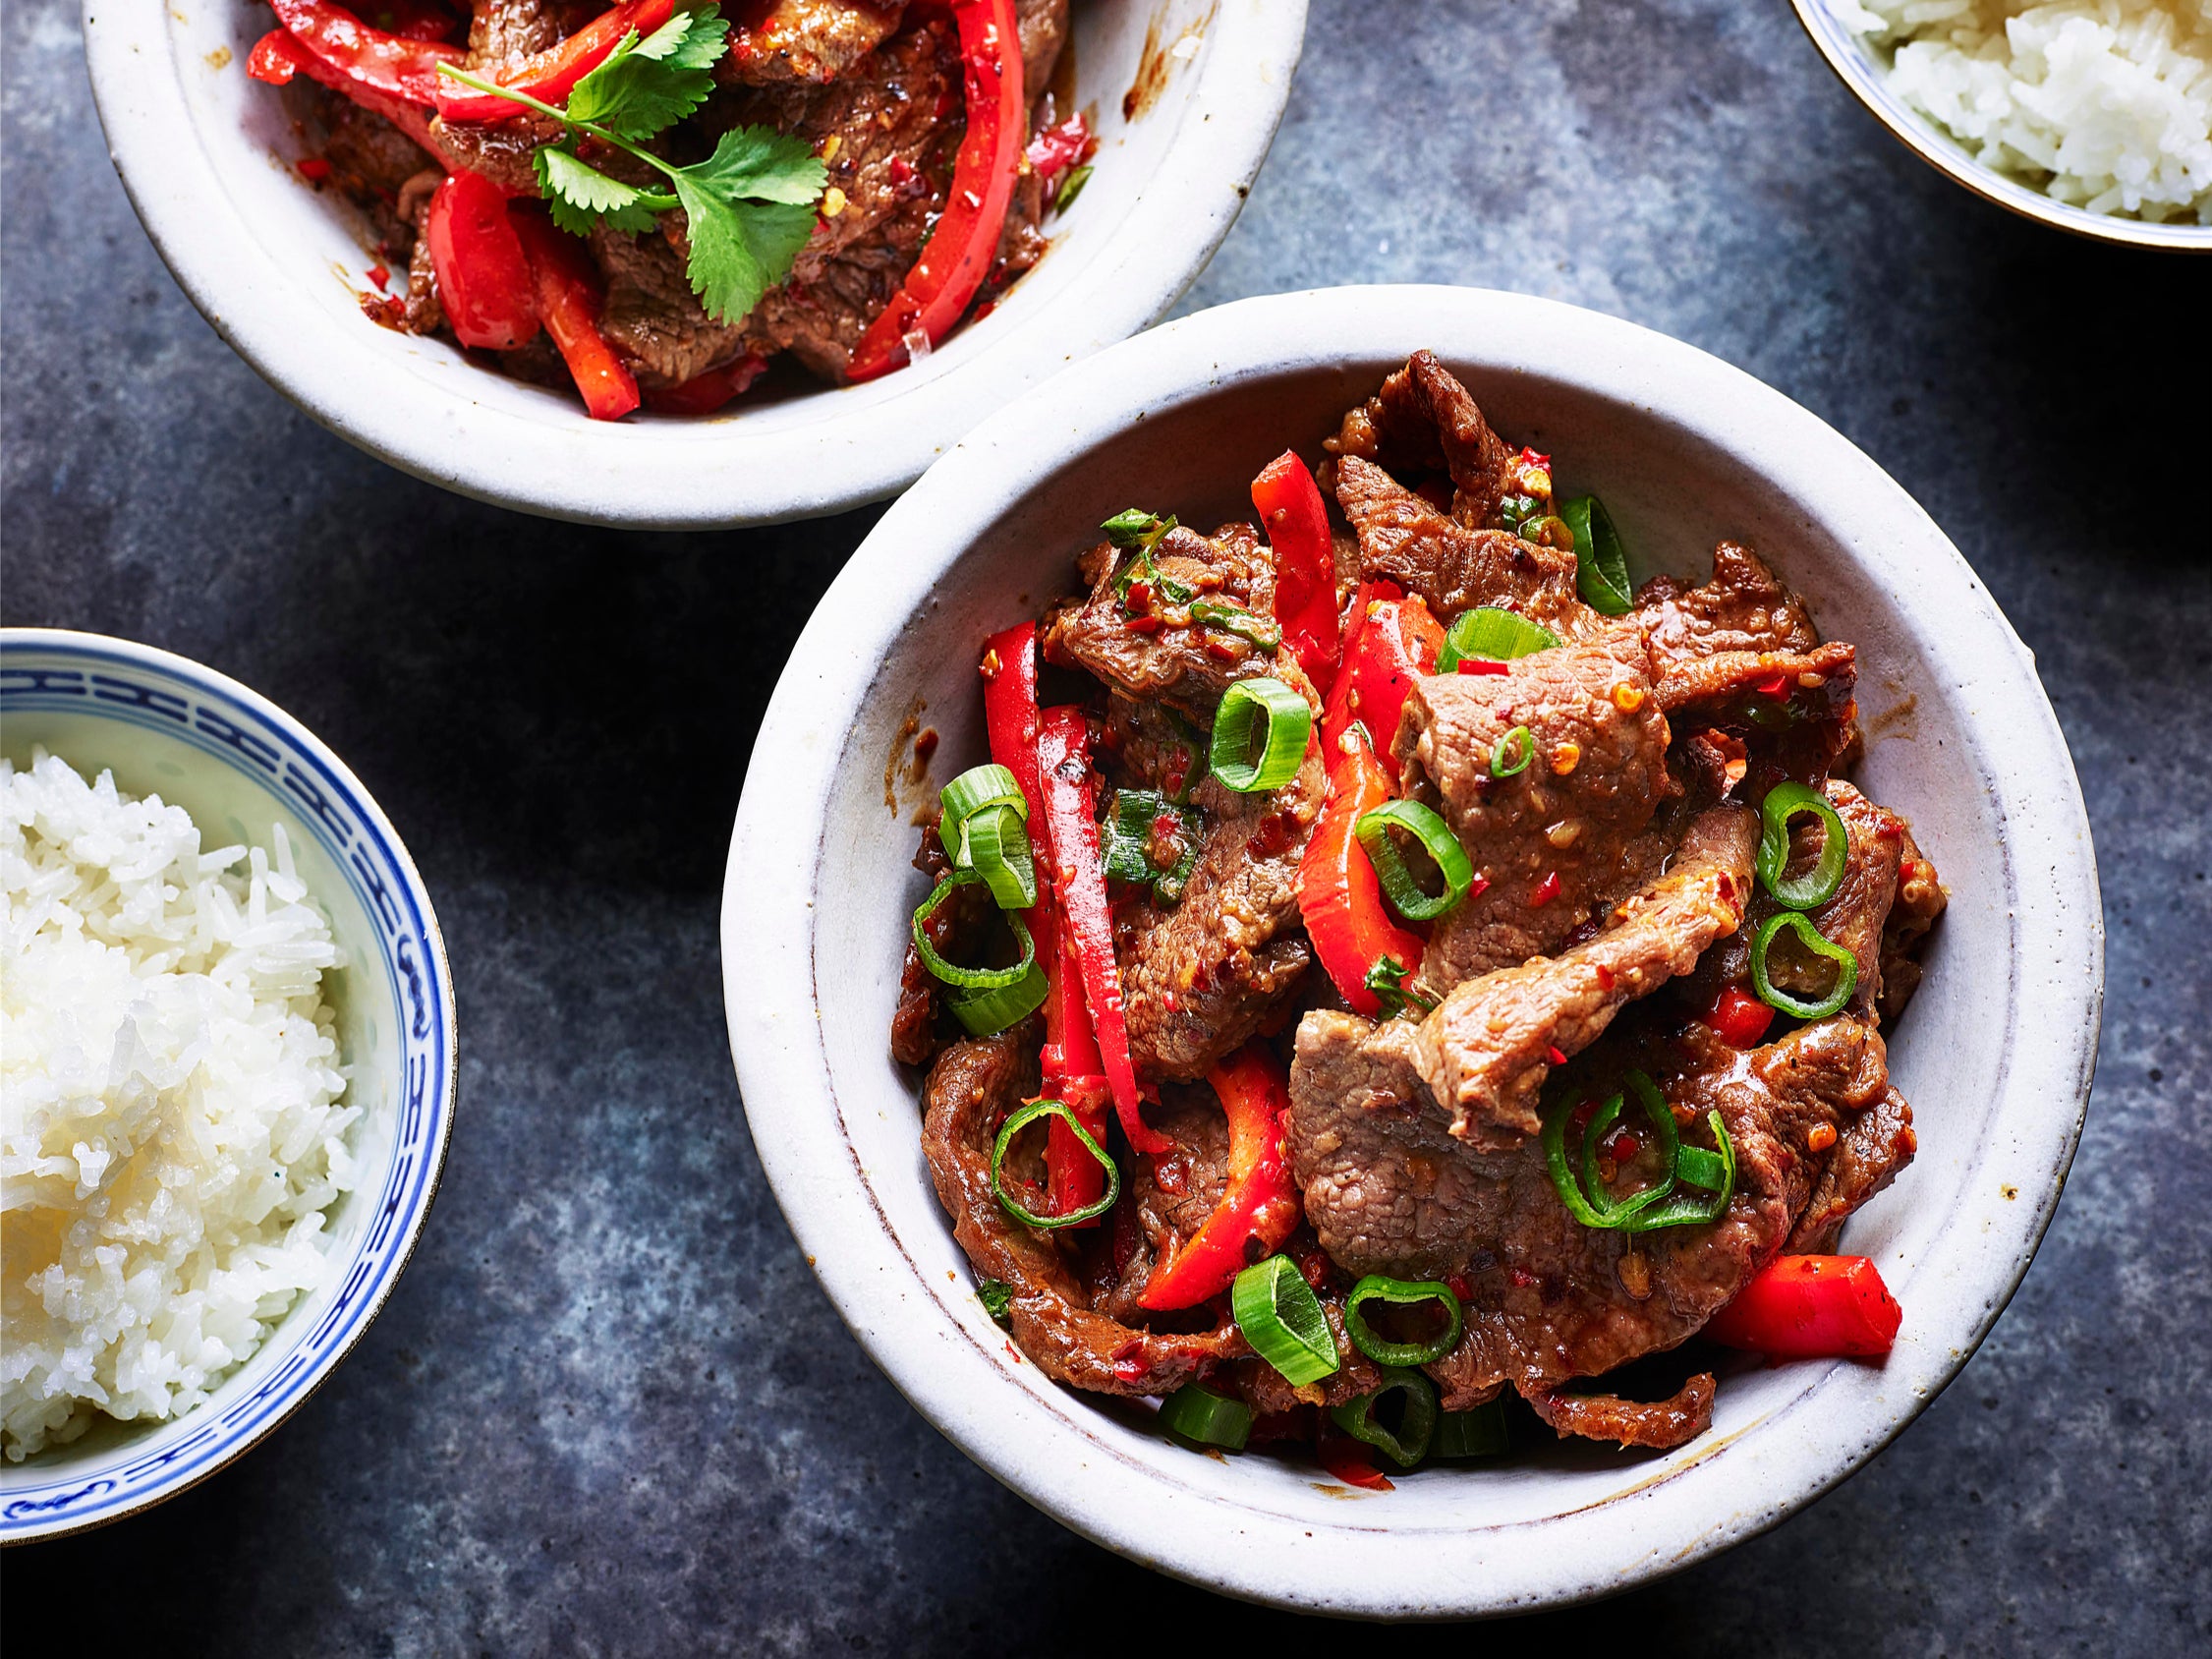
(651, 203)
(1389, 968)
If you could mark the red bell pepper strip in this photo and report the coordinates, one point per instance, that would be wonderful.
(1812, 1307)
(1296, 521)
(1394, 641)
(551, 75)
(376, 62)
(704, 393)
(1339, 894)
(1740, 1019)
(1351, 1462)
(485, 285)
(1078, 867)
(964, 244)
(1259, 1205)
(279, 55)
(569, 298)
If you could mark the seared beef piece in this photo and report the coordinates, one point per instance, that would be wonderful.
(368, 156)
(1486, 1050)
(501, 151)
(1661, 1425)
(957, 930)
(420, 313)
(1390, 1190)
(1919, 901)
(502, 33)
(651, 316)
(1424, 420)
(1866, 1157)
(1740, 608)
(1513, 827)
(1167, 1198)
(1146, 746)
(970, 1090)
(817, 40)
(1404, 539)
(1268, 1391)
(1199, 977)
(1042, 27)
(1183, 665)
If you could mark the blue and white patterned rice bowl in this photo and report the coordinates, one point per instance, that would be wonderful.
(239, 766)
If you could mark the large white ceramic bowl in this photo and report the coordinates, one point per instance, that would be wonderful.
(1862, 68)
(204, 154)
(1994, 1052)
(240, 764)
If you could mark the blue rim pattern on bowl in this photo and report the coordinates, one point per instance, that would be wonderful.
(152, 689)
(1848, 56)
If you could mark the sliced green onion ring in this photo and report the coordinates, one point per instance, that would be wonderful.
(1809, 936)
(1626, 1211)
(1281, 1318)
(1196, 1413)
(994, 844)
(1428, 828)
(990, 1010)
(1521, 742)
(1817, 886)
(1600, 565)
(1021, 1119)
(1684, 1209)
(1236, 619)
(1658, 1205)
(970, 793)
(1401, 1293)
(1495, 634)
(1416, 1426)
(969, 979)
(1259, 736)
(1479, 1433)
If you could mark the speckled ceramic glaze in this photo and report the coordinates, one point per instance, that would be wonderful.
(1995, 1052)
(1185, 95)
(240, 764)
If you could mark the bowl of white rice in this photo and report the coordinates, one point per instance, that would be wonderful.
(2094, 116)
(226, 1072)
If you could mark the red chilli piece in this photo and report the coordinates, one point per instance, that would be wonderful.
(1552, 1053)
(1482, 665)
(1546, 891)
(1352, 1464)
(1779, 686)
(312, 168)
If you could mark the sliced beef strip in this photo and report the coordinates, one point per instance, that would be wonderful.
(1866, 1157)
(1919, 901)
(1740, 608)
(957, 930)
(1661, 1425)
(1167, 1197)
(503, 151)
(1422, 420)
(502, 33)
(1513, 827)
(1042, 27)
(422, 313)
(1403, 538)
(817, 40)
(1269, 1392)
(1183, 665)
(1199, 977)
(652, 316)
(1487, 1048)
(969, 1093)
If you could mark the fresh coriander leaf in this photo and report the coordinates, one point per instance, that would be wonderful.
(689, 40)
(995, 1295)
(761, 164)
(580, 195)
(739, 251)
(646, 85)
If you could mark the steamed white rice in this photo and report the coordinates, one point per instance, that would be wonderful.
(2106, 104)
(170, 1125)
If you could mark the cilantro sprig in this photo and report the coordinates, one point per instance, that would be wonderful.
(749, 205)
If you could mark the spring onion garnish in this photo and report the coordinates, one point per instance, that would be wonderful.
(1479, 1433)
(1817, 886)
(987, 1012)
(994, 844)
(995, 1295)
(1588, 1201)
(1133, 527)
(1424, 825)
(1281, 1318)
(1401, 1293)
(969, 979)
(1260, 736)
(1601, 566)
(1416, 1418)
(1809, 936)
(1020, 1119)
(1387, 979)
(1510, 755)
(1196, 1413)
(970, 793)
(1236, 619)
(1497, 635)
(1132, 834)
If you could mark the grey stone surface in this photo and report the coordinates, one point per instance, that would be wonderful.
(608, 1410)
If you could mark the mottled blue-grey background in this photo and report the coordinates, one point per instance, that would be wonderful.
(608, 1410)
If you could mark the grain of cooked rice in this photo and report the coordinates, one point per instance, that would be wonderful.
(2106, 104)
(171, 1126)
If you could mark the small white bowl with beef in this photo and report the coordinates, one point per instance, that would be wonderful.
(668, 265)
(1562, 1074)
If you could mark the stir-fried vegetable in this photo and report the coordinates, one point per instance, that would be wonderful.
(1427, 826)
(1020, 1119)
(1406, 1444)
(1487, 634)
(1821, 948)
(1281, 1318)
(1394, 641)
(1589, 1199)
(1400, 1293)
(1196, 1413)
(1601, 566)
(1260, 734)
(1259, 1208)
(1816, 887)
(1296, 521)
(1340, 897)
(1812, 1307)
